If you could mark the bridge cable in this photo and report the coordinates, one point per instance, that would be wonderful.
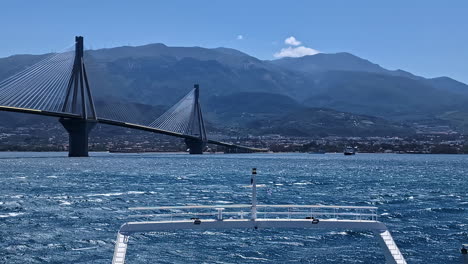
(40, 86)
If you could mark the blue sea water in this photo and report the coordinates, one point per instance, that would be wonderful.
(55, 209)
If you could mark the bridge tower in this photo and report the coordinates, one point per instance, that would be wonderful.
(196, 127)
(78, 100)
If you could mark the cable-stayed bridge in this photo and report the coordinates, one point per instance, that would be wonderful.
(58, 86)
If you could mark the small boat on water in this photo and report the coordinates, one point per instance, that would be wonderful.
(349, 151)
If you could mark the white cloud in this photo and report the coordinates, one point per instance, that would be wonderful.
(295, 52)
(240, 37)
(292, 41)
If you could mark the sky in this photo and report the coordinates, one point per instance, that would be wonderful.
(428, 38)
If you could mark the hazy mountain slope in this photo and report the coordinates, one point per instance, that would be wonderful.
(380, 95)
(164, 79)
(262, 113)
(252, 102)
(326, 122)
(343, 61)
(239, 109)
(448, 84)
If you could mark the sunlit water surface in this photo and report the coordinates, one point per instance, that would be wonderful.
(55, 209)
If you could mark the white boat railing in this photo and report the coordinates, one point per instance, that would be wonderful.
(257, 216)
(243, 211)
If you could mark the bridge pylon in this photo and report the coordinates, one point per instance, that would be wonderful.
(79, 100)
(196, 126)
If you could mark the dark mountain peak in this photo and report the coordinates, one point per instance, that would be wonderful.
(111, 54)
(224, 56)
(151, 46)
(342, 55)
(449, 84)
(342, 61)
(233, 52)
(445, 79)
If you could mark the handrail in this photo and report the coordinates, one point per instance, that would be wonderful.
(288, 211)
(248, 206)
(238, 213)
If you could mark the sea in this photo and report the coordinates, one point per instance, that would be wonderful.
(55, 209)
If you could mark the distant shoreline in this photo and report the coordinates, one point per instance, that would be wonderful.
(213, 153)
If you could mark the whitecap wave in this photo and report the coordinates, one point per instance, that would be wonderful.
(10, 215)
(115, 194)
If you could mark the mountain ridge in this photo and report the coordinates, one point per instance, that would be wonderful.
(156, 74)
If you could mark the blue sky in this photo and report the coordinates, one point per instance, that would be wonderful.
(428, 38)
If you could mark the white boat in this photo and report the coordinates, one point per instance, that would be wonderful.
(258, 216)
(349, 151)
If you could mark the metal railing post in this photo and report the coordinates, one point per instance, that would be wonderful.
(253, 181)
(220, 213)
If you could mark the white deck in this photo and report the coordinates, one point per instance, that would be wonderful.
(152, 226)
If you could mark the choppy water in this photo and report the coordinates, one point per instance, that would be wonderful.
(55, 209)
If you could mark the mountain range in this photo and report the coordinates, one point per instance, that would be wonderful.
(323, 94)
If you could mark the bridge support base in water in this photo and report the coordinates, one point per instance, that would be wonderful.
(195, 146)
(78, 131)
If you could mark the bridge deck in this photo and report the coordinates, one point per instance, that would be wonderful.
(174, 134)
(38, 112)
(124, 124)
